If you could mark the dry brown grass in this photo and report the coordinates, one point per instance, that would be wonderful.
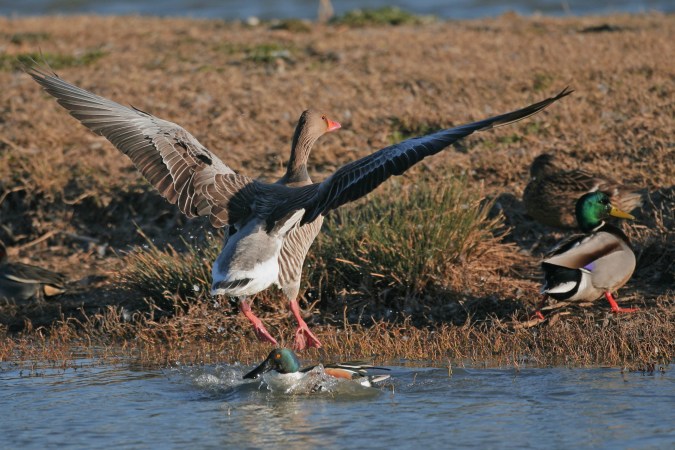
(69, 202)
(193, 336)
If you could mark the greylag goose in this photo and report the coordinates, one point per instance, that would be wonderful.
(21, 282)
(272, 225)
(584, 267)
(552, 191)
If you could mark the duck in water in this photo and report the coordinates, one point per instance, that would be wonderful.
(284, 372)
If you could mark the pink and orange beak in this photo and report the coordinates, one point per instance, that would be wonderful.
(332, 125)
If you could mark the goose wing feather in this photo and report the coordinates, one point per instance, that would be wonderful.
(358, 178)
(184, 171)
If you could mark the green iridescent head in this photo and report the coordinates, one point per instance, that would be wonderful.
(594, 207)
(281, 360)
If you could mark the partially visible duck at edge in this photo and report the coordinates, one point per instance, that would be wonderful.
(20, 282)
(585, 267)
(287, 371)
(552, 191)
(270, 225)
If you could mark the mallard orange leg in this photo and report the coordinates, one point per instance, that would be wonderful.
(303, 337)
(615, 306)
(537, 314)
(258, 326)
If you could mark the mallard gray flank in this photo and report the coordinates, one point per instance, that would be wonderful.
(272, 225)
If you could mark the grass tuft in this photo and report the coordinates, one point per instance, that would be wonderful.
(293, 25)
(164, 274)
(267, 53)
(56, 61)
(387, 15)
(405, 129)
(404, 240)
(28, 37)
(264, 53)
(542, 82)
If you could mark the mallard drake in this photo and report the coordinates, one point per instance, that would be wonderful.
(287, 372)
(584, 267)
(271, 225)
(550, 195)
(21, 282)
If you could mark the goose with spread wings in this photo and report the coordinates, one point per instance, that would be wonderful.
(271, 225)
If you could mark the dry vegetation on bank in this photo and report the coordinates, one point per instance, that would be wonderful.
(69, 202)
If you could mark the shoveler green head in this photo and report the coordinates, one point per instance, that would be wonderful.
(592, 208)
(281, 360)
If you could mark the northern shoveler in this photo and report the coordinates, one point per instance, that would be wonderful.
(271, 225)
(286, 372)
(584, 267)
(20, 281)
(552, 191)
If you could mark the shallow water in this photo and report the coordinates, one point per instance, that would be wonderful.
(275, 9)
(125, 406)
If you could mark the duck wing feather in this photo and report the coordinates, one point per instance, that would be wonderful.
(580, 251)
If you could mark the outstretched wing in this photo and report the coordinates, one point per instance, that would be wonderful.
(184, 171)
(359, 177)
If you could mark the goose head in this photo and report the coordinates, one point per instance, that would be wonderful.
(311, 126)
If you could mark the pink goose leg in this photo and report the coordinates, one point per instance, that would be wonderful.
(258, 326)
(303, 337)
(615, 306)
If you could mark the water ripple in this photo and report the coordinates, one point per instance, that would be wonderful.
(123, 405)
